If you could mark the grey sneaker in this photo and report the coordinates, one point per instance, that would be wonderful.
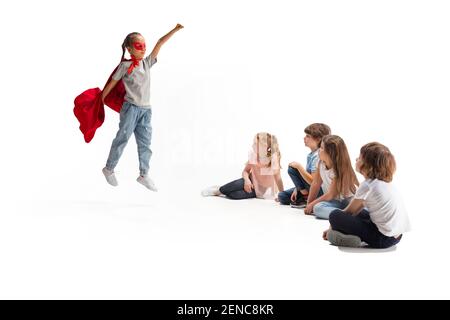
(343, 240)
(110, 177)
(147, 182)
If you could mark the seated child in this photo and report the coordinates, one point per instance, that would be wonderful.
(302, 177)
(335, 176)
(376, 215)
(261, 176)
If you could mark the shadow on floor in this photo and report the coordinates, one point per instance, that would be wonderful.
(367, 250)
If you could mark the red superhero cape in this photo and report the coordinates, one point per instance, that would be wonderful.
(89, 108)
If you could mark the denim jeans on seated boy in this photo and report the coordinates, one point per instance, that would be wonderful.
(299, 182)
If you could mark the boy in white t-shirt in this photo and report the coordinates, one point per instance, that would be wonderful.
(376, 215)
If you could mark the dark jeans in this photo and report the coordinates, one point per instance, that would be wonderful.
(361, 226)
(235, 190)
(300, 184)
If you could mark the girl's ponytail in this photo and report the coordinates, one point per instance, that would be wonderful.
(127, 42)
(123, 51)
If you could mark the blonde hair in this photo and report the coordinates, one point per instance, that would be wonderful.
(344, 174)
(270, 142)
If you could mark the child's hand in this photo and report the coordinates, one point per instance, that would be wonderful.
(179, 27)
(277, 200)
(308, 209)
(248, 186)
(294, 195)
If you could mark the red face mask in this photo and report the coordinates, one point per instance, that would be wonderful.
(139, 46)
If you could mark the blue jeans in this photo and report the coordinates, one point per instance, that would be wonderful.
(300, 184)
(323, 209)
(361, 226)
(235, 190)
(133, 119)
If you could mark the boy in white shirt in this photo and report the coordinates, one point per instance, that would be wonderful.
(376, 215)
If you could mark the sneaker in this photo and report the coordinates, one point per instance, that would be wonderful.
(110, 177)
(300, 203)
(147, 182)
(211, 191)
(343, 240)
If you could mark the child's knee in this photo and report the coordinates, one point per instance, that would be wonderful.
(334, 217)
(321, 211)
(124, 134)
(292, 170)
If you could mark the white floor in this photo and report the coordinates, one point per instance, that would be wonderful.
(95, 241)
(64, 233)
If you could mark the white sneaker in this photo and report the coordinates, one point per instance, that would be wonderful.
(110, 177)
(211, 191)
(147, 182)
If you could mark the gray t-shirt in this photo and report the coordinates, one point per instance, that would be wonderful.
(137, 84)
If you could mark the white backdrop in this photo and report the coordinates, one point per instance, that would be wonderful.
(372, 70)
